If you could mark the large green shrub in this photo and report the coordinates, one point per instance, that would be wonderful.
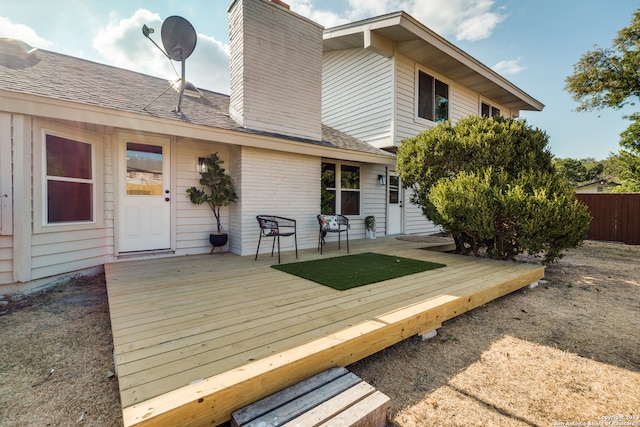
(491, 184)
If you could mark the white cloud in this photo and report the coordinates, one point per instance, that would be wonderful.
(508, 67)
(463, 19)
(121, 43)
(208, 67)
(314, 12)
(22, 32)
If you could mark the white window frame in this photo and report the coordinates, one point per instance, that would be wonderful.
(338, 189)
(435, 78)
(41, 224)
(491, 106)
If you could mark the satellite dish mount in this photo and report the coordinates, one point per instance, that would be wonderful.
(179, 40)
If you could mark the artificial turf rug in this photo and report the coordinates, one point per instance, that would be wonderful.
(351, 271)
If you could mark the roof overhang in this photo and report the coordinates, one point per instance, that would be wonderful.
(51, 108)
(409, 37)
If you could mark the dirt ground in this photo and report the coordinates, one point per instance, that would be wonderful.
(564, 353)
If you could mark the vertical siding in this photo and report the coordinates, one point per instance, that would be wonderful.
(276, 69)
(357, 95)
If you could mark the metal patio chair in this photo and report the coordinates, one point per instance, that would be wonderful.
(332, 224)
(276, 226)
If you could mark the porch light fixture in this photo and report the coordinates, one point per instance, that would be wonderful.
(382, 180)
(202, 164)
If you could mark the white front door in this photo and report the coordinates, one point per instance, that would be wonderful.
(394, 205)
(145, 200)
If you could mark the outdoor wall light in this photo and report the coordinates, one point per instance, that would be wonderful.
(202, 164)
(382, 180)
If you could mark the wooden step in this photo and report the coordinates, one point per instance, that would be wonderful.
(333, 397)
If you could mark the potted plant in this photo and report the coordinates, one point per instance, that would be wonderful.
(217, 191)
(370, 227)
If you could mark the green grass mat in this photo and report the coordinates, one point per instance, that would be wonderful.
(350, 271)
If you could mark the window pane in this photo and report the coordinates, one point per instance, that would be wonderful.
(328, 202)
(495, 112)
(144, 169)
(394, 189)
(328, 175)
(67, 158)
(69, 201)
(425, 96)
(441, 106)
(350, 177)
(350, 202)
(485, 110)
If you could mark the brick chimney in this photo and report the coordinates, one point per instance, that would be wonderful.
(276, 69)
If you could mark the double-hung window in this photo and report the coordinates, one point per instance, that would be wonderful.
(433, 98)
(487, 110)
(70, 181)
(340, 191)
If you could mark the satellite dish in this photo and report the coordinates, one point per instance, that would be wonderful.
(178, 38)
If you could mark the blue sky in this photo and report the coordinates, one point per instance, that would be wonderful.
(533, 43)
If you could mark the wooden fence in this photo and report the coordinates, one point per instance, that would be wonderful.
(615, 217)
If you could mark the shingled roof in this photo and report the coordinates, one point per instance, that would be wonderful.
(58, 76)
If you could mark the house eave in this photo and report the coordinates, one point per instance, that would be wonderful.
(52, 108)
(424, 46)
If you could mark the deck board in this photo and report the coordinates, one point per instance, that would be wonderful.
(198, 337)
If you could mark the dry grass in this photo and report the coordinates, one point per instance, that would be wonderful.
(567, 351)
(56, 359)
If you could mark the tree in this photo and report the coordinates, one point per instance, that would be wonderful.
(490, 182)
(626, 165)
(580, 171)
(574, 170)
(610, 78)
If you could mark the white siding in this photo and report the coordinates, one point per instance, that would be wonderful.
(6, 201)
(462, 101)
(357, 95)
(36, 251)
(6, 190)
(59, 253)
(276, 69)
(414, 221)
(405, 110)
(375, 202)
(195, 223)
(282, 184)
(6, 259)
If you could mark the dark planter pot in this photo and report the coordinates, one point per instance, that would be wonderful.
(217, 240)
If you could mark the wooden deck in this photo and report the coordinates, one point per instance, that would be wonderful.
(198, 337)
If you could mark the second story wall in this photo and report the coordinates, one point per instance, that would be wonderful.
(462, 101)
(374, 98)
(357, 95)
